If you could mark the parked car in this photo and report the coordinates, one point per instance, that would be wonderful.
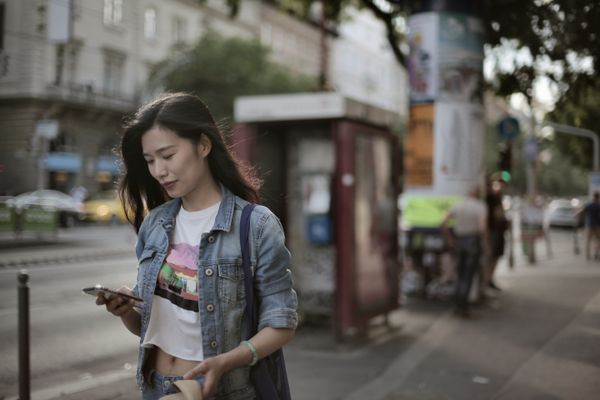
(69, 210)
(564, 213)
(104, 207)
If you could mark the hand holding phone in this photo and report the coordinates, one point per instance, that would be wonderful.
(109, 293)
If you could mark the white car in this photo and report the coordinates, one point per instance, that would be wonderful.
(69, 210)
(563, 213)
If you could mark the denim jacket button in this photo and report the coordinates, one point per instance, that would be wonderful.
(208, 272)
(210, 308)
(211, 239)
(213, 344)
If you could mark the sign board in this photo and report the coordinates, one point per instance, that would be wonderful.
(39, 219)
(508, 128)
(531, 149)
(418, 150)
(59, 21)
(7, 218)
(47, 128)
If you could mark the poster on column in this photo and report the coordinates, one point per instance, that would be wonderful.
(418, 147)
(422, 61)
(459, 149)
(460, 59)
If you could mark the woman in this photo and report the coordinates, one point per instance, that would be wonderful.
(190, 277)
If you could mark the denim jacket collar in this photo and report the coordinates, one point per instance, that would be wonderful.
(222, 221)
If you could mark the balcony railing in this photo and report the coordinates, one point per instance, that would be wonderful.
(88, 95)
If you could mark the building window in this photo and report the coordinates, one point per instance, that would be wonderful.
(60, 64)
(114, 63)
(179, 30)
(113, 12)
(150, 23)
(2, 26)
(73, 51)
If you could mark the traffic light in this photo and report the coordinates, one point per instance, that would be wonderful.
(505, 161)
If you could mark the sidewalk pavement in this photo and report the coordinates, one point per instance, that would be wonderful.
(538, 339)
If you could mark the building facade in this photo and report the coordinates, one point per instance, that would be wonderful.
(71, 70)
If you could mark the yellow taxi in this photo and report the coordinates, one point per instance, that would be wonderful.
(104, 207)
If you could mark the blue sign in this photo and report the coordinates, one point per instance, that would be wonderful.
(530, 149)
(318, 229)
(107, 164)
(508, 128)
(64, 162)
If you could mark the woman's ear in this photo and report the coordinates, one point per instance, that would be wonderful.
(204, 146)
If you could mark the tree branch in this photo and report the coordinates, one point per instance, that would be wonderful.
(392, 34)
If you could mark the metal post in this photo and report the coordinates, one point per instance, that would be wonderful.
(24, 371)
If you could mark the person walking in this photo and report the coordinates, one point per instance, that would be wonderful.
(184, 194)
(497, 225)
(469, 242)
(591, 212)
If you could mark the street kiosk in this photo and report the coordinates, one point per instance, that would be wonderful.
(330, 168)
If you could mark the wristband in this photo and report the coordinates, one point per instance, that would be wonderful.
(252, 349)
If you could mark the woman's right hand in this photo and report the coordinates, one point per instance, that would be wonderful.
(117, 305)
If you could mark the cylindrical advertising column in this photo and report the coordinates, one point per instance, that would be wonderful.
(445, 143)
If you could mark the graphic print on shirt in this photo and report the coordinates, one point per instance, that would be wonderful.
(177, 280)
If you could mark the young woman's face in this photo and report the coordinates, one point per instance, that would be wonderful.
(179, 165)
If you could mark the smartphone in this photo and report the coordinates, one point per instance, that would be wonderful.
(108, 293)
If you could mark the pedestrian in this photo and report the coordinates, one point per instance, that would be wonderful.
(591, 212)
(497, 225)
(469, 242)
(184, 193)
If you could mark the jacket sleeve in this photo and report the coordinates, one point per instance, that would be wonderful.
(275, 296)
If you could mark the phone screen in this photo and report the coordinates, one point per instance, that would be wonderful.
(108, 293)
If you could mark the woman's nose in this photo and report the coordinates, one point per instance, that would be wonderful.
(160, 169)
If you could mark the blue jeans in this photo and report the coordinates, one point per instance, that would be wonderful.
(162, 385)
(469, 261)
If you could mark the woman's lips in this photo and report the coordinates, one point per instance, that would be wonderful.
(169, 185)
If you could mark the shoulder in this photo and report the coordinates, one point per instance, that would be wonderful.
(263, 221)
(157, 214)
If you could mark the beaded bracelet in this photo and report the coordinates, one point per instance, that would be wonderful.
(252, 350)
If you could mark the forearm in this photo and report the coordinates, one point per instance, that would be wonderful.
(266, 342)
(132, 321)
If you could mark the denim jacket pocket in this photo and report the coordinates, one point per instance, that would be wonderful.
(231, 282)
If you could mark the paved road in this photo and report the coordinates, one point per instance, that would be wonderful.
(70, 335)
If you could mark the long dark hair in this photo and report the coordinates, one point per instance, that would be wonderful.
(189, 118)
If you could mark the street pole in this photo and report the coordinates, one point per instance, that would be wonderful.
(24, 367)
(530, 163)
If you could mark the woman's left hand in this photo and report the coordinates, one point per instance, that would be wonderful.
(212, 369)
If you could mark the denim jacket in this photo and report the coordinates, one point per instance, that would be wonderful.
(221, 280)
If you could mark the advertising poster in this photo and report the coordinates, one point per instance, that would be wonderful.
(422, 61)
(459, 149)
(460, 59)
(418, 147)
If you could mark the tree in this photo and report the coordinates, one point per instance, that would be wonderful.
(555, 37)
(557, 41)
(219, 69)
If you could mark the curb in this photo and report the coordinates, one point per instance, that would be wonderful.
(65, 258)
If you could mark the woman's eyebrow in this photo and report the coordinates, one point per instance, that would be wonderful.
(160, 150)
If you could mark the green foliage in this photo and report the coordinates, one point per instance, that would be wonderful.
(557, 177)
(219, 69)
(578, 107)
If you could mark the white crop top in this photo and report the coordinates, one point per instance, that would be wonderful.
(174, 319)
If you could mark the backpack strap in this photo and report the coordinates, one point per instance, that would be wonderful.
(248, 278)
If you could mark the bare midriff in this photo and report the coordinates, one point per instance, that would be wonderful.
(167, 364)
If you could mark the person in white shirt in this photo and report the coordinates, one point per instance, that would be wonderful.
(469, 241)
